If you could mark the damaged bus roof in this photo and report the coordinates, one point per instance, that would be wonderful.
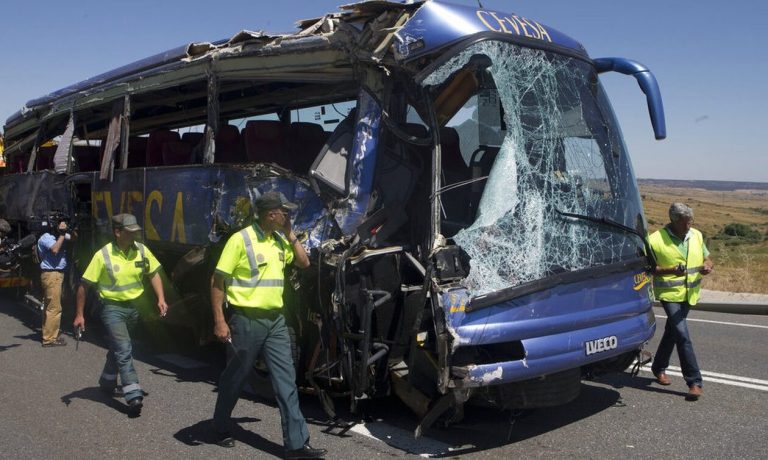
(323, 48)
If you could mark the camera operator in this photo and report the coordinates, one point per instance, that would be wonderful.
(52, 249)
(5, 246)
(5, 228)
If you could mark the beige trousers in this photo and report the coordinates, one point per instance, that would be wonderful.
(51, 282)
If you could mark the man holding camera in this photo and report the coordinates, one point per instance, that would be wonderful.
(52, 250)
(5, 228)
(682, 259)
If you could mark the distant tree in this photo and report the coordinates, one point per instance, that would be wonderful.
(742, 232)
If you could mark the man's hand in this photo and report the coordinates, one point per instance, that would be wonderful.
(708, 266)
(162, 307)
(221, 331)
(79, 322)
(286, 226)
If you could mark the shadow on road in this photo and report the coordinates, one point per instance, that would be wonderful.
(95, 394)
(621, 380)
(202, 433)
(484, 428)
(7, 347)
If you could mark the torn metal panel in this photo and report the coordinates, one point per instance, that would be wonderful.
(114, 136)
(361, 164)
(61, 157)
(25, 196)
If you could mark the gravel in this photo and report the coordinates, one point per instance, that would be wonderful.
(736, 297)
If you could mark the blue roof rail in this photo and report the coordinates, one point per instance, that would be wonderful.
(647, 83)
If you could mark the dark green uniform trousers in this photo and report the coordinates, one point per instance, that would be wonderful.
(255, 331)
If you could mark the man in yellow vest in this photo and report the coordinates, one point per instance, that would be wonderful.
(117, 271)
(682, 259)
(250, 274)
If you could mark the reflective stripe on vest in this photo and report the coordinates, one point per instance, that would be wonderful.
(667, 284)
(672, 287)
(111, 272)
(254, 281)
(257, 278)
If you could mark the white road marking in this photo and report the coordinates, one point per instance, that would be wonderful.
(402, 439)
(726, 379)
(721, 322)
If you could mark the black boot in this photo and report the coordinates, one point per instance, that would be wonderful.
(306, 451)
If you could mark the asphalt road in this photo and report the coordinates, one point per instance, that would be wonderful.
(50, 407)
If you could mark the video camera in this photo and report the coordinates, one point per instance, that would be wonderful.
(55, 218)
(50, 223)
(10, 254)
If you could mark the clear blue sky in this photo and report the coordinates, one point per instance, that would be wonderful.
(709, 57)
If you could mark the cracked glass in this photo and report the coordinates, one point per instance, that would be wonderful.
(528, 135)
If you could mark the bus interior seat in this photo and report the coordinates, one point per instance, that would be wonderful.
(88, 157)
(304, 142)
(155, 143)
(481, 163)
(192, 138)
(44, 159)
(19, 163)
(137, 152)
(229, 145)
(265, 141)
(197, 143)
(177, 153)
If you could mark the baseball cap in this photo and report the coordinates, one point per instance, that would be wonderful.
(125, 222)
(273, 200)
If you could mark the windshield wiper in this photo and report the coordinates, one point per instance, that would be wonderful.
(616, 225)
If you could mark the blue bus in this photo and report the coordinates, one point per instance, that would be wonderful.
(465, 194)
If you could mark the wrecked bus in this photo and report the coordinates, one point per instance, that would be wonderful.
(465, 194)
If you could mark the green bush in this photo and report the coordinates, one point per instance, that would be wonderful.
(738, 233)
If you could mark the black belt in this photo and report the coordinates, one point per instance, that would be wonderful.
(256, 312)
(45, 270)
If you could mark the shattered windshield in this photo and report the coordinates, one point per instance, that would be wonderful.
(526, 136)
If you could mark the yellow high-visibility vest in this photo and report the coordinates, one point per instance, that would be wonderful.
(118, 275)
(253, 265)
(672, 287)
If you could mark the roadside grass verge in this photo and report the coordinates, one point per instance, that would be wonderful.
(741, 263)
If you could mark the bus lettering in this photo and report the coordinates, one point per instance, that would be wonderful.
(517, 25)
(178, 220)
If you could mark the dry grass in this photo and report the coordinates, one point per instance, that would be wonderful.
(738, 268)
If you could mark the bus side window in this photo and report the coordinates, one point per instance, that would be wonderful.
(137, 151)
(264, 141)
(229, 145)
(44, 158)
(304, 142)
(88, 158)
(155, 143)
(177, 153)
